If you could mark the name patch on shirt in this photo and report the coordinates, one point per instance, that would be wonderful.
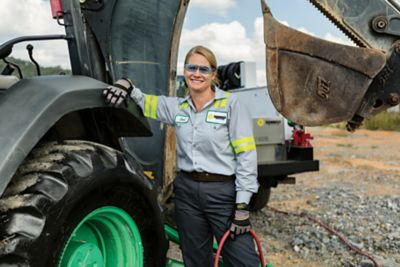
(217, 117)
(181, 119)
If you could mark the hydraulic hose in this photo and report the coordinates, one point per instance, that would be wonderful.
(225, 236)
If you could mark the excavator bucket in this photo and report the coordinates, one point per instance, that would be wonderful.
(312, 81)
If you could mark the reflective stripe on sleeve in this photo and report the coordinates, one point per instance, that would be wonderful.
(150, 106)
(244, 144)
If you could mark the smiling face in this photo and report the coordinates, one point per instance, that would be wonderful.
(198, 81)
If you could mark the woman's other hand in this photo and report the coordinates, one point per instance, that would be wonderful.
(241, 221)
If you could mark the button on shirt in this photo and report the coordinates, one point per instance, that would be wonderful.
(217, 139)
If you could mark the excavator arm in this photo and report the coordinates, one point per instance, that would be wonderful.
(314, 82)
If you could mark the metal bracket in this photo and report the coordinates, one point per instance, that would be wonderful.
(60, 16)
(288, 180)
(384, 91)
(386, 24)
(92, 5)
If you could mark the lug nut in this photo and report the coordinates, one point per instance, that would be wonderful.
(394, 99)
(397, 47)
(380, 23)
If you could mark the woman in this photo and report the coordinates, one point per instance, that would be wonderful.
(216, 158)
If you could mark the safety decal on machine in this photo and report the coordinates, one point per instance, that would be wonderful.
(217, 117)
(179, 119)
(150, 175)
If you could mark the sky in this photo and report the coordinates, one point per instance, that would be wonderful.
(232, 29)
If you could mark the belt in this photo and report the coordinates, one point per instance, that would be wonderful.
(209, 177)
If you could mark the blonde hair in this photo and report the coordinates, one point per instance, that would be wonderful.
(209, 55)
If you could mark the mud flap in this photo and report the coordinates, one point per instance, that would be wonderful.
(312, 81)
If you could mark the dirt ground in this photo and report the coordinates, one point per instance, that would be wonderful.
(345, 158)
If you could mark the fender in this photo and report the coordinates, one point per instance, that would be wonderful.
(31, 107)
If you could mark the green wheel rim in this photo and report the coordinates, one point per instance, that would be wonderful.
(107, 237)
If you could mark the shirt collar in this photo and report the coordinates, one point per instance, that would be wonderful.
(219, 94)
(184, 99)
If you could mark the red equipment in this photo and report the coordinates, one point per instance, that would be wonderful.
(56, 9)
(301, 138)
(225, 236)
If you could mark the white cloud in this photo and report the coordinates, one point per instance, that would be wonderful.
(27, 17)
(33, 17)
(284, 22)
(220, 7)
(228, 41)
(304, 30)
(329, 37)
(336, 39)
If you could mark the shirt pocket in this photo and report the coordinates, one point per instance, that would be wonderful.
(217, 136)
(184, 138)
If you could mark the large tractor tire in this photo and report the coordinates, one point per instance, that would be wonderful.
(260, 199)
(78, 203)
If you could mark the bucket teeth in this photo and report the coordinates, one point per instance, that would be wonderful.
(338, 22)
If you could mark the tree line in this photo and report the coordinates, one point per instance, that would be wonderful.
(28, 69)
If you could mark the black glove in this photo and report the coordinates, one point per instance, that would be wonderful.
(118, 93)
(241, 221)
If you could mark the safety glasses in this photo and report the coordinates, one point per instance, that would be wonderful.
(201, 69)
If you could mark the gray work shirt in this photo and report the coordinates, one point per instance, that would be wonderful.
(217, 139)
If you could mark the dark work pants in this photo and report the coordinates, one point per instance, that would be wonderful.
(202, 210)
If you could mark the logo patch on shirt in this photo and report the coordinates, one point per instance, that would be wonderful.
(181, 118)
(218, 117)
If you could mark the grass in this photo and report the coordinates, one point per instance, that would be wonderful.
(387, 121)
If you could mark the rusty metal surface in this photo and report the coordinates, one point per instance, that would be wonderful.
(313, 81)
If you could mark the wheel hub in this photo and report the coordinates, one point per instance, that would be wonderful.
(84, 254)
(106, 237)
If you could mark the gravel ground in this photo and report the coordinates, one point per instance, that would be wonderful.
(356, 192)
